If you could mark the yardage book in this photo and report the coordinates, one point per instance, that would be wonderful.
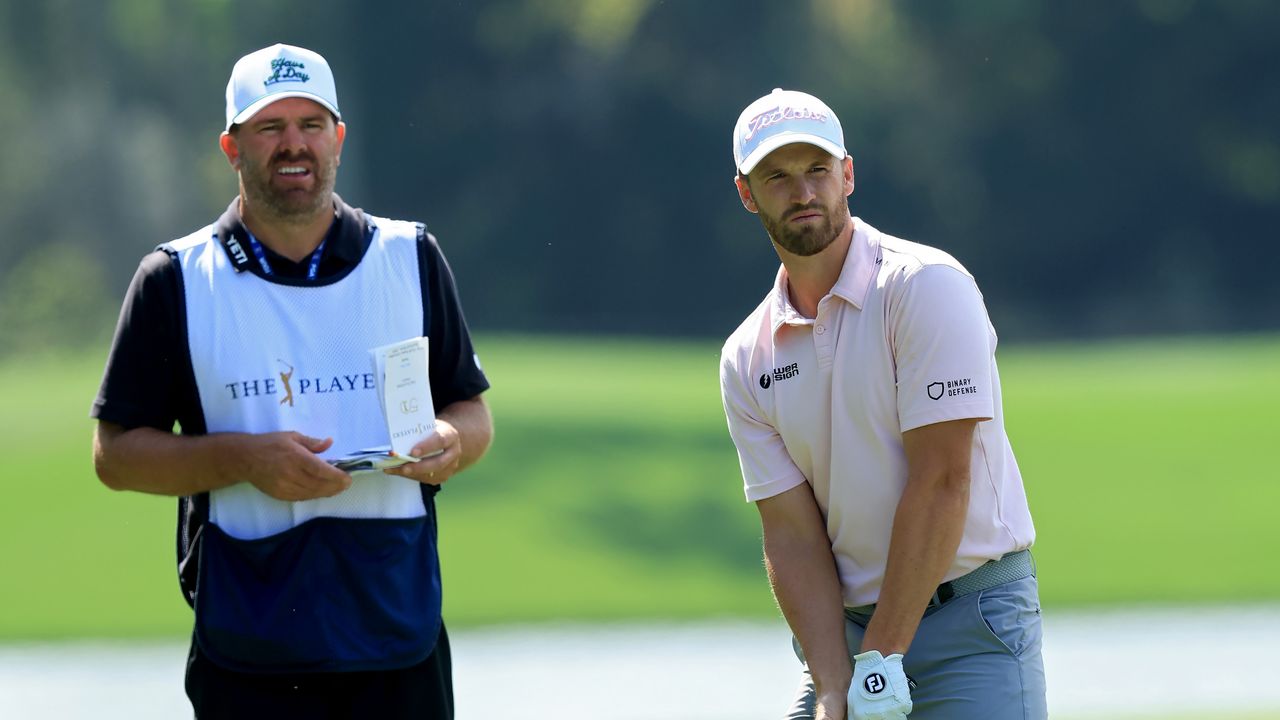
(404, 392)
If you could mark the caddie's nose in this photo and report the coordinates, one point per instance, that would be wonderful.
(292, 138)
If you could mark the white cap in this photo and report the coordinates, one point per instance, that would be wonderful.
(780, 118)
(275, 73)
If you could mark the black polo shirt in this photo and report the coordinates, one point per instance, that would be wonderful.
(149, 381)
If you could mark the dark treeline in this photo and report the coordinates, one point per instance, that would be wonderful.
(1103, 168)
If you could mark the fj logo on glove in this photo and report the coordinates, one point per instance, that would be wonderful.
(874, 683)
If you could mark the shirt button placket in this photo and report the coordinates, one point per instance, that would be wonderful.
(822, 337)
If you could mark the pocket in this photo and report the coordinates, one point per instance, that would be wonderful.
(1011, 615)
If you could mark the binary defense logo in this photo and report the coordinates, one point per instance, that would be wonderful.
(283, 70)
(874, 683)
(952, 388)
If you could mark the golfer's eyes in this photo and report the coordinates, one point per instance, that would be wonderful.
(779, 175)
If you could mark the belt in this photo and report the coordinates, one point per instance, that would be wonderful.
(1013, 566)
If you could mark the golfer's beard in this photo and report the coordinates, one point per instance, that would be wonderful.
(805, 240)
(295, 204)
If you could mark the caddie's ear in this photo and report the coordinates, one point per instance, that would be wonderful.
(341, 130)
(230, 148)
(744, 193)
(847, 163)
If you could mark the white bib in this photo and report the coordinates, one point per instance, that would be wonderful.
(270, 356)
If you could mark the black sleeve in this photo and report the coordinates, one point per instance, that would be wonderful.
(454, 369)
(148, 381)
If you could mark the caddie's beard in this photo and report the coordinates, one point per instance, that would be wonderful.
(807, 239)
(294, 205)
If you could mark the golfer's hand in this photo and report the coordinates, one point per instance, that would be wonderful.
(440, 452)
(879, 690)
(286, 466)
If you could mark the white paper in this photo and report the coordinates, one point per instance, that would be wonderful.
(404, 395)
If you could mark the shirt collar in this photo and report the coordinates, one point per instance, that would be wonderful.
(347, 238)
(860, 265)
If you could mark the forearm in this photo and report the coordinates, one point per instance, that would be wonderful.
(153, 461)
(927, 528)
(802, 572)
(472, 420)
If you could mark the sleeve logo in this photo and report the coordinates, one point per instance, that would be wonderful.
(951, 388)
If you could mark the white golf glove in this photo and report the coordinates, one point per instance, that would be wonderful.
(879, 690)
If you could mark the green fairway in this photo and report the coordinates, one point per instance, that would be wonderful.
(612, 490)
(1150, 469)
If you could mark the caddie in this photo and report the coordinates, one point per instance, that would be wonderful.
(316, 594)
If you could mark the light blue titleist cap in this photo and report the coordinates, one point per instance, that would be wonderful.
(275, 73)
(780, 118)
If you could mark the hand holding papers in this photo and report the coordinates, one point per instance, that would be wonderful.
(404, 392)
(400, 371)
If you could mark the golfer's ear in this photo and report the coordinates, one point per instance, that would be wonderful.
(230, 148)
(744, 193)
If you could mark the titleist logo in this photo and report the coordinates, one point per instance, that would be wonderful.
(777, 115)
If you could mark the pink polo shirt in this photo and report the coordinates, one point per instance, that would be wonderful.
(903, 340)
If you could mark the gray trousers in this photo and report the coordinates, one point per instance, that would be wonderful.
(976, 657)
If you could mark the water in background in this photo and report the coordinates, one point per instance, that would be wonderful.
(1135, 662)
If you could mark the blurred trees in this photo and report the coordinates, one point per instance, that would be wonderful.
(1102, 168)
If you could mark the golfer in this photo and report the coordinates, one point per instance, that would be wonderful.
(863, 398)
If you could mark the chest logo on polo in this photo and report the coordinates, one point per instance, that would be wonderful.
(779, 374)
(951, 388)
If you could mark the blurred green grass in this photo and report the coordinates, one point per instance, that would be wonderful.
(612, 490)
